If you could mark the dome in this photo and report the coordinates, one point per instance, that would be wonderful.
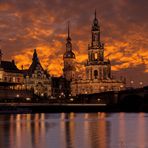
(69, 54)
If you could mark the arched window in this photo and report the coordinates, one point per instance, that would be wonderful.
(95, 74)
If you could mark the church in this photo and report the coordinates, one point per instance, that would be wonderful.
(98, 76)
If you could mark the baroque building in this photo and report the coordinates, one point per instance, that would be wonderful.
(36, 78)
(98, 69)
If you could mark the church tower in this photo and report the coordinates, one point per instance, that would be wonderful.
(97, 67)
(69, 59)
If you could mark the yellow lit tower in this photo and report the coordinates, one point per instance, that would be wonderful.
(69, 69)
(97, 67)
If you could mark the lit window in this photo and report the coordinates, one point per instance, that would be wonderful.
(1, 76)
(13, 79)
(96, 56)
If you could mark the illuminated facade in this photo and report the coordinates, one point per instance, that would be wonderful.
(98, 69)
(36, 78)
(10, 75)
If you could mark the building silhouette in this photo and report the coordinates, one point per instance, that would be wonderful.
(97, 77)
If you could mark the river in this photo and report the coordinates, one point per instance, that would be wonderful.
(74, 130)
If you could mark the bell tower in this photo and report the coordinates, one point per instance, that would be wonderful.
(95, 33)
(69, 59)
(96, 49)
(97, 67)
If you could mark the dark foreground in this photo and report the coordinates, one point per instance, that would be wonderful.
(57, 108)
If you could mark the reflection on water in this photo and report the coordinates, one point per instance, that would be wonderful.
(74, 130)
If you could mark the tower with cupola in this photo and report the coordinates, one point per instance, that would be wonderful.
(69, 69)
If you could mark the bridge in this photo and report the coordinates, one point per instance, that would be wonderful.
(129, 98)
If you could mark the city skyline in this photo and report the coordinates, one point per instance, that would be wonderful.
(28, 25)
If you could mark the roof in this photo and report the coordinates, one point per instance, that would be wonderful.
(24, 72)
(34, 66)
(9, 66)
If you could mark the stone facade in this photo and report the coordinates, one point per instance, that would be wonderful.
(98, 69)
(36, 78)
(95, 86)
(10, 75)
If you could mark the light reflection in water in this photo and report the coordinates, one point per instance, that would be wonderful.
(86, 130)
(70, 130)
(74, 130)
(141, 131)
(18, 131)
(122, 130)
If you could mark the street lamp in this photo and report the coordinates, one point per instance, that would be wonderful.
(17, 95)
(102, 88)
(121, 87)
(132, 82)
(141, 83)
(28, 99)
(62, 95)
(71, 99)
(99, 99)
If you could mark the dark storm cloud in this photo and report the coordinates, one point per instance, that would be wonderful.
(25, 25)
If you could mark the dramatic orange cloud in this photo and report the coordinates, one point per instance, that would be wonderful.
(25, 25)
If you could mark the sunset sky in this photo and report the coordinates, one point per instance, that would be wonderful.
(42, 24)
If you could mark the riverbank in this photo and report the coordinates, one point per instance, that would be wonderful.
(56, 108)
(49, 108)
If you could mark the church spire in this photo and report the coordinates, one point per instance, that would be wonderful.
(95, 14)
(68, 43)
(69, 53)
(96, 45)
(69, 58)
(35, 56)
(95, 32)
(95, 25)
(68, 32)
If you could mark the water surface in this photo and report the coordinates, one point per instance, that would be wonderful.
(74, 130)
